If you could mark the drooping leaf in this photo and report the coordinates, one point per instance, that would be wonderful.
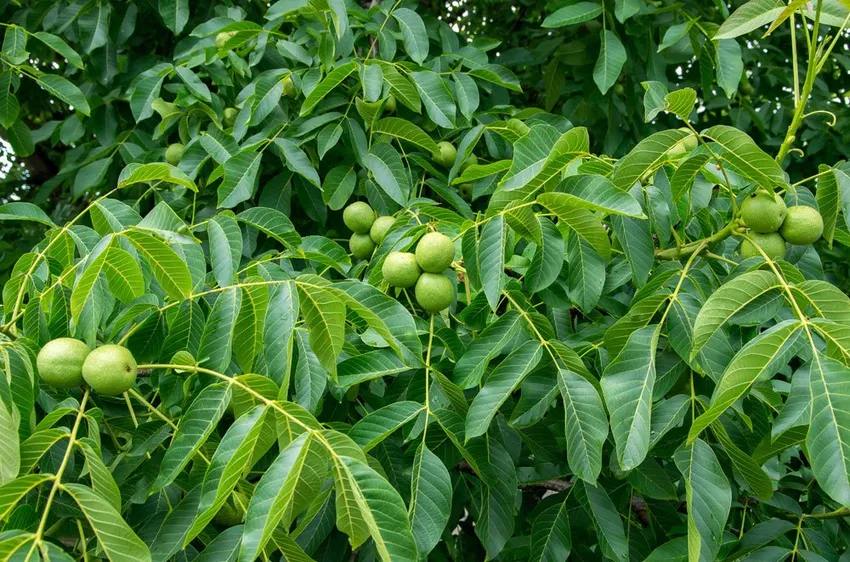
(612, 57)
(585, 423)
(286, 488)
(430, 499)
(324, 314)
(760, 357)
(627, 385)
(117, 539)
(827, 438)
(606, 520)
(377, 425)
(194, 428)
(499, 385)
(709, 498)
(550, 534)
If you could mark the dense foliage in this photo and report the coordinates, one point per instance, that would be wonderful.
(209, 354)
(555, 48)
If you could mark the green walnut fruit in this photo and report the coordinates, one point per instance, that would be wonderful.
(358, 217)
(446, 154)
(229, 117)
(435, 252)
(434, 292)
(401, 269)
(691, 141)
(803, 225)
(685, 145)
(763, 212)
(361, 246)
(471, 161)
(174, 153)
(289, 89)
(379, 228)
(619, 90)
(465, 190)
(771, 243)
(110, 370)
(223, 38)
(60, 362)
(390, 105)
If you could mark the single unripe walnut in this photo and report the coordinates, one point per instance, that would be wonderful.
(289, 89)
(434, 292)
(471, 161)
(361, 246)
(110, 370)
(60, 362)
(229, 117)
(174, 153)
(390, 104)
(685, 145)
(358, 217)
(380, 227)
(803, 225)
(400, 269)
(223, 38)
(446, 154)
(465, 190)
(435, 252)
(763, 212)
(771, 243)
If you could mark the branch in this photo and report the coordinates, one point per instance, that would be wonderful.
(690, 248)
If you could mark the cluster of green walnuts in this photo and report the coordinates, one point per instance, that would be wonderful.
(423, 269)
(772, 224)
(67, 363)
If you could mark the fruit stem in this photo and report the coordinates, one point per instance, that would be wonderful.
(688, 249)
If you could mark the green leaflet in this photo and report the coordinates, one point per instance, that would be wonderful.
(381, 510)
(499, 385)
(828, 439)
(586, 425)
(606, 520)
(709, 498)
(471, 365)
(331, 81)
(195, 427)
(119, 542)
(761, 356)
(550, 534)
(430, 499)
(376, 426)
(285, 489)
(645, 158)
(324, 314)
(731, 298)
(232, 457)
(627, 385)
